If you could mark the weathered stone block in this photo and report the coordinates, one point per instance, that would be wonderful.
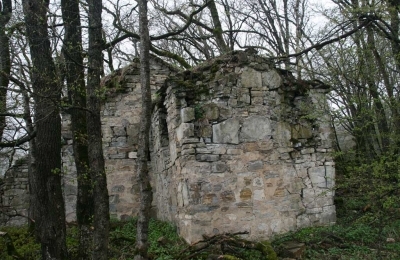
(183, 194)
(234, 151)
(185, 130)
(301, 132)
(307, 150)
(210, 198)
(217, 187)
(228, 196)
(226, 132)
(258, 182)
(256, 128)
(203, 151)
(188, 151)
(280, 192)
(211, 112)
(219, 167)
(316, 198)
(259, 195)
(244, 205)
(205, 131)
(117, 156)
(255, 166)
(271, 79)
(330, 176)
(246, 194)
(224, 113)
(317, 176)
(250, 147)
(119, 131)
(244, 97)
(207, 157)
(250, 78)
(133, 134)
(132, 155)
(187, 114)
(192, 210)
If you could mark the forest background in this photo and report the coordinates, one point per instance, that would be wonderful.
(54, 53)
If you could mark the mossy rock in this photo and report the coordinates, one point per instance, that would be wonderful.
(266, 248)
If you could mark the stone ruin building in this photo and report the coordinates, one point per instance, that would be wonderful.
(236, 145)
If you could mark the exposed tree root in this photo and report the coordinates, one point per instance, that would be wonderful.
(229, 246)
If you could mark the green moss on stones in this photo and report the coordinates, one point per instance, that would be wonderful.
(266, 248)
(192, 91)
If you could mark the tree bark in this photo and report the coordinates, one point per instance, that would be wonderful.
(223, 47)
(96, 158)
(46, 153)
(383, 131)
(5, 15)
(74, 72)
(143, 171)
(395, 46)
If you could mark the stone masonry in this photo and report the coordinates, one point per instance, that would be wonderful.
(14, 195)
(241, 146)
(120, 127)
(236, 145)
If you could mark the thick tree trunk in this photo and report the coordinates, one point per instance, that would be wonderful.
(96, 159)
(143, 170)
(72, 50)
(5, 15)
(46, 153)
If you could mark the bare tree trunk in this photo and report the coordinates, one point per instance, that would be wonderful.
(72, 50)
(223, 47)
(383, 131)
(395, 24)
(46, 153)
(96, 158)
(30, 129)
(5, 15)
(143, 171)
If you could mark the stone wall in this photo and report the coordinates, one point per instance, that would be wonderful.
(247, 148)
(120, 126)
(236, 145)
(14, 195)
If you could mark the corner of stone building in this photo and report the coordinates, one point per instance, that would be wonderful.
(249, 150)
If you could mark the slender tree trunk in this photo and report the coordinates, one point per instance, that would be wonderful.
(394, 6)
(72, 51)
(143, 170)
(96, 158)
(46, 153)
(223, 47)
(383, 126)
(32, 145)
(5, 15)
(286, 30)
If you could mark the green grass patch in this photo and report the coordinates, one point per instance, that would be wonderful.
(364, 237)
(23, 241)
